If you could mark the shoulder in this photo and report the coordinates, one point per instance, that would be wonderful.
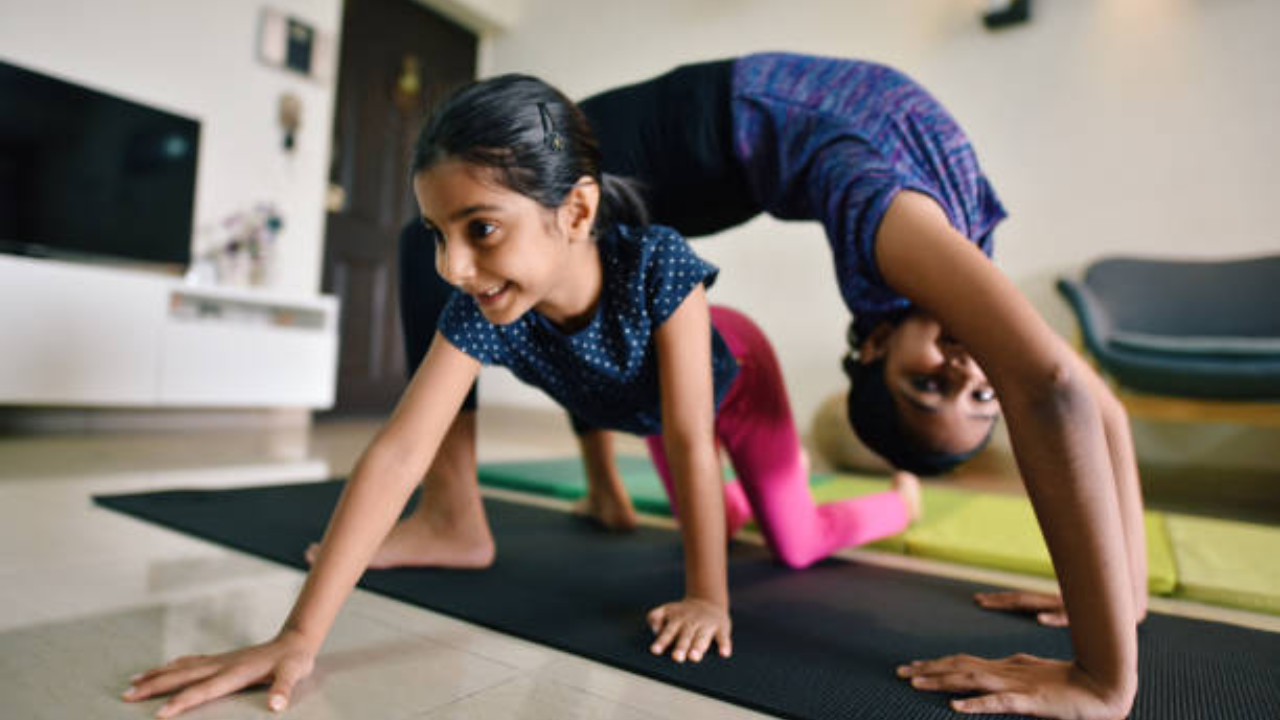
(461, 316)
(645, 242)
(637, 235)
(637, 249)
(658, 251)
(656, 266)
(469, 330)
(460, 308)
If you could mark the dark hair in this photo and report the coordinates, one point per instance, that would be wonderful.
(874, 415)
(536, 139)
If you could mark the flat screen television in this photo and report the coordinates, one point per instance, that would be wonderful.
(87, 175)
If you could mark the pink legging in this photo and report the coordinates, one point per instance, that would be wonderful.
(754, 425)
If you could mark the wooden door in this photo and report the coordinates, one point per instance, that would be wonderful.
(397, 60)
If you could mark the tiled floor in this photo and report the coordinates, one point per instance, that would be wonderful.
(89, 597)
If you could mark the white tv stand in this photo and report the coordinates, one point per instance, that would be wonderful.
(83, 335)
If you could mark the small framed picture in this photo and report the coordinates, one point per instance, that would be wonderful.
(292, 43)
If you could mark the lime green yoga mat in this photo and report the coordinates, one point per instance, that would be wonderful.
(992, 531)
(1001, 532)
(1212, 561)
(1224, 562)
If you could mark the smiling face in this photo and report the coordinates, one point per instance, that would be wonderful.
(505, 250)
(942, 396)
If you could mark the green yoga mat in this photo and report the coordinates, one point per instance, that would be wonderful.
(566, 479)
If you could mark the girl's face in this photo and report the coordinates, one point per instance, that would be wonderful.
(941, 393)
(502, 248)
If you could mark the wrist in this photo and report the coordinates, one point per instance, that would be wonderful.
(299, 638)
(1117, 692)
(718, 599)
(708, 586)
(1121, 696)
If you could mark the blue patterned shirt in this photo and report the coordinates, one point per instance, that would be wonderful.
(606, 374)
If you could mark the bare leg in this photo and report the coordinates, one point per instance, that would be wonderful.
(607, 501)
(448, 528)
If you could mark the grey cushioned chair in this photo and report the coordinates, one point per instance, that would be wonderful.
(1207, 330)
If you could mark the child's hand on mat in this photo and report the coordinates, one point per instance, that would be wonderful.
(1047, 608)
(688, 627)
(1019, 685)
(197, 679)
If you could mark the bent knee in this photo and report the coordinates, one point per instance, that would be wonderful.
(794, 556)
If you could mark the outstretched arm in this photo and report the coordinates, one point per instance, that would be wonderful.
(1061, 447)
(688, 433)
(371, 501)
(1124, 466)
(381, 483)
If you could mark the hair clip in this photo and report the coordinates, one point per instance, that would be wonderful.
(550, 136)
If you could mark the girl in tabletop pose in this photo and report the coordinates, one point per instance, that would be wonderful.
(560, 279)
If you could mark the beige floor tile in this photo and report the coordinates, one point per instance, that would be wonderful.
(536, 699)
(457, 634)
(77, 667)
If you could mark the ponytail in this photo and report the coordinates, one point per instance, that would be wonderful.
(621, 203)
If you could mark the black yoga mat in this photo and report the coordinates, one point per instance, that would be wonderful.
(819, 643)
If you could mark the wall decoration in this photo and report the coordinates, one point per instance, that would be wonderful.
(294, 44)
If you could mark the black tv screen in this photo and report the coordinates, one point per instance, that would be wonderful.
(84, 174)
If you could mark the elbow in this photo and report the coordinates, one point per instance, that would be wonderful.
(696, 442)
(387, 460)
(1059, 393)
(796, 556)
(1070, 394)
(691, 454)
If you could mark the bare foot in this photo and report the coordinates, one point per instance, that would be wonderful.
(612, 511)
(416, 541)
(908, 487)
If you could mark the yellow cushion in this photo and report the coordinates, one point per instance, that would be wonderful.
(1225, 562)
(1001, 532)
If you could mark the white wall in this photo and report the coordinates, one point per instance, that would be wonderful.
(199, 58)
(1107, 126)
(479, 16)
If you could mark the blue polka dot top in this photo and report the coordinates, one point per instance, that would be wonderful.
(606, 374)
